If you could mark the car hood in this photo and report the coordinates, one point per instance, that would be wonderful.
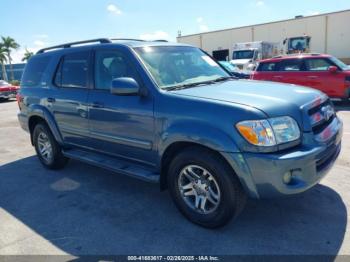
(272, 98)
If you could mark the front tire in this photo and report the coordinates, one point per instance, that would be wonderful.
(47, 149)
(205, 188)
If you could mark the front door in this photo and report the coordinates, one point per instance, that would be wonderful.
(120, 125)
(319, 77)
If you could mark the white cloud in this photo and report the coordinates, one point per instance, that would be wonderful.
(17, 55)
(260, 3)
(113, 9)
(40, 43)
(202, 25)
(157, 35)
(199, 19)
(203, 28)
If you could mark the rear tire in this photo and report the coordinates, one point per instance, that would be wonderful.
(47, 149)
(217, 186)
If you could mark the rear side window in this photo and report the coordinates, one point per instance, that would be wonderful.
(317, 64)
(73, 71)
(34, 71)
(265, 67)
(291, 65)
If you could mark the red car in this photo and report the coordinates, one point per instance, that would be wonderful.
(7, 91)
(323, 72)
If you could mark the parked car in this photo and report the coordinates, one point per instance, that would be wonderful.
(323, 72)
(234, 70)
(7, 91)
(168, 113)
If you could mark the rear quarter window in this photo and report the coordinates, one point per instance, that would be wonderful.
(73, 70)
(267, 67)
(34, 71)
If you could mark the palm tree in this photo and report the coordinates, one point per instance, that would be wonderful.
(27, 55)
(10, 44)
(3, 59)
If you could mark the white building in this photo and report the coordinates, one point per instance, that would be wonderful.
(330, 33)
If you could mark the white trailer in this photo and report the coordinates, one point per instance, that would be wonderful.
(246, 55)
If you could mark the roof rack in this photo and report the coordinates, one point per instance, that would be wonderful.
(67, 45)
(100, 40)
(139, 40)
(127, 39)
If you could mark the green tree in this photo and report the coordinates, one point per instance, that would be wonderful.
(10, 44)
(27, 55)
(3, 59)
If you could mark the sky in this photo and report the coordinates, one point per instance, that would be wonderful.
(35, 24)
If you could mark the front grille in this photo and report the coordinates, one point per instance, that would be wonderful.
(317, 129)
(321, 116)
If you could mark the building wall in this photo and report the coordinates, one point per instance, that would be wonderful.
(330, 33)
(17, 71)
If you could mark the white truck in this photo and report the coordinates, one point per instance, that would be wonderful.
(246, 55)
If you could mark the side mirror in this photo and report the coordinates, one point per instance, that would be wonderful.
(333, 69)
(125, 86)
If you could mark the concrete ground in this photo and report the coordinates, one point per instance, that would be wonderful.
(86, 210)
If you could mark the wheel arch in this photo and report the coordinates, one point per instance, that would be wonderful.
(177, 147)
(39, 114)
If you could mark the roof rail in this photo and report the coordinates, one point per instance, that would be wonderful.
(68, 45)
(127, 39)
(134, 39)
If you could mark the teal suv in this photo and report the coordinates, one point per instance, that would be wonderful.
(168, 113)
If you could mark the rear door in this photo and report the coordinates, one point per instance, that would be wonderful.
(120, 125)
(291, 71)
(67, 99)
(319, 77)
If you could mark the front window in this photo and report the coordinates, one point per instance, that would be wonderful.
(339, 63)
(244, 54)
(172, 66)
(317, 64)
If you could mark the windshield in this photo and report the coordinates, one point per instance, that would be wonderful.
(298, 43)
(244, 54)
(340, 63)
(172, 66)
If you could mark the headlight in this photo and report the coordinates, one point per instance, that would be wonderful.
(269, 132)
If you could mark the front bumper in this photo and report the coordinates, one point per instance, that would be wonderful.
(261, 174)
(8, 94)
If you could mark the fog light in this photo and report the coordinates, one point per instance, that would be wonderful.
(287, 177)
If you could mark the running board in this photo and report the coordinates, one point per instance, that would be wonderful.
(114, 164)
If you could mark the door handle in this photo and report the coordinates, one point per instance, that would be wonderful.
(51, 99)
(97, 105)
(312, 77)
(277, 77)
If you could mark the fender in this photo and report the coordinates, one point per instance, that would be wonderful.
(41, 111)
(197, 132)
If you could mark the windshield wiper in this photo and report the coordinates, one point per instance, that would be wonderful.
(184, 86)
(224, 78)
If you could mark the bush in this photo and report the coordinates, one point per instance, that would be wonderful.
(15, 82)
